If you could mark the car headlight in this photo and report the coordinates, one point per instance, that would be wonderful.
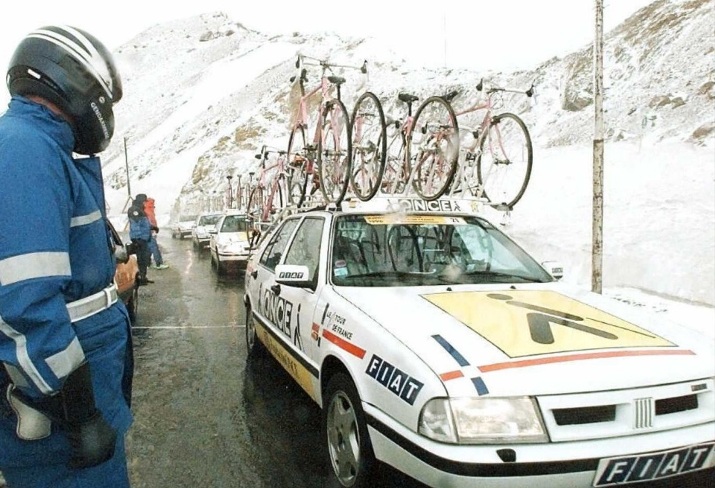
(482, 421)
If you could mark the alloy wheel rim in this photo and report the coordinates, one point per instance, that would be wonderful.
(343, 439)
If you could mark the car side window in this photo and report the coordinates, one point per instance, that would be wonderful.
(276, 246)
(305, 248)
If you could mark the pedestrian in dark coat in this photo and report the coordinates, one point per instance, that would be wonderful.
(140, 234)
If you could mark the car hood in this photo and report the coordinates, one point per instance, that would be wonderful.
(535, 339)
(226, 238)
(204, 229)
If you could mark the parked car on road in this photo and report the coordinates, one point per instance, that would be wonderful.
(230, 245)
(126, 275)
(183, 226)
(437, 345)
(201, 233)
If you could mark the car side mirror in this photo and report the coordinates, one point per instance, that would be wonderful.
(554, 268)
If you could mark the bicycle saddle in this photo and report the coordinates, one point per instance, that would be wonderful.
(336, 80)
(407, 97)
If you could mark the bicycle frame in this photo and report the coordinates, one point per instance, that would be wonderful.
(271, 186)
(403, 136)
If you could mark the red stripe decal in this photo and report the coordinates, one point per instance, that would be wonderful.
(579, 357)
(343, 344)
(451, 375)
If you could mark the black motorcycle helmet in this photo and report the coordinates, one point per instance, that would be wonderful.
(72, 69)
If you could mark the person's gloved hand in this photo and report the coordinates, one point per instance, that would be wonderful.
(92, 441)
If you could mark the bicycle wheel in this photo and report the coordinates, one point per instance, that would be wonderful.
(369, 146)
(505, 160)
(256, 202)
(335, 152)
(434, 149)
(298, 166)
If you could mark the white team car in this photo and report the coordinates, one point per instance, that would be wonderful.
(230, 244)
(183, 226)
(203, 227)
(435, 344)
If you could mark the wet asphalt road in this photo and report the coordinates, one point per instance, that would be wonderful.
(205, 416)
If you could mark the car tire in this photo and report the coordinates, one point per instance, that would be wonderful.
(133, 305)
(254, 346)
(350, 453)
(196, 246)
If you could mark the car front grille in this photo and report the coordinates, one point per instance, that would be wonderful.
(626, 412)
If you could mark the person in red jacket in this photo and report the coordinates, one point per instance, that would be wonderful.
(153, 245)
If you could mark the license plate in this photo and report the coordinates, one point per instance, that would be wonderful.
(654, 465)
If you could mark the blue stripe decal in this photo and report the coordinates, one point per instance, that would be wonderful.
(480, 386)
(448, 347)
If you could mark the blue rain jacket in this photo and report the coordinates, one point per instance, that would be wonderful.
(139, 225)
(54, 249)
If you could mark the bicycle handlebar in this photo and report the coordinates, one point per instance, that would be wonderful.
(494, 89)
(325, 64)
(266, 150)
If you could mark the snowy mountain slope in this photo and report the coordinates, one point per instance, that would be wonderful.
(203, 94)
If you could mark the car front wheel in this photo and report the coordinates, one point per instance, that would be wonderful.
(349, 448)
(254, 346)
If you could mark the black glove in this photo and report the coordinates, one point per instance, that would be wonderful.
(73, 409)
(155, 229)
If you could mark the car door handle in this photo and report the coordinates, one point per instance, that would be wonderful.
(254, 274)
(276, 289)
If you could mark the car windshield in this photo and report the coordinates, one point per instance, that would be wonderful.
(188, 218)
(234, 223)
(209, 219)
(416, 250)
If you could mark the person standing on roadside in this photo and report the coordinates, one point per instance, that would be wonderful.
(65, 339)
(140, 234)
(150, 212)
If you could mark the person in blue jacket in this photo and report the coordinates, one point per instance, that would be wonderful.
(140, 234)
(65, 339)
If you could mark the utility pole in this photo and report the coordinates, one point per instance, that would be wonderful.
(126, 164)
(597, 231)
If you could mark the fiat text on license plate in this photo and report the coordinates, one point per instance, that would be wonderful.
(654, 465)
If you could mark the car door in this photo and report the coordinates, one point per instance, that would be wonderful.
(287, 311)
(265, 304)
(305, 250)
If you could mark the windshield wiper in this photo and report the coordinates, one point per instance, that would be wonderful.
(502, 275)
(385, 274)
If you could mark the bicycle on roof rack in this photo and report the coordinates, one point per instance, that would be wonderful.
(497, 164)
(271, 187)
(422, 150)
(324, 163)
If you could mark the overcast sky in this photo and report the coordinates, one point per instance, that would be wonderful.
(479, 34)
